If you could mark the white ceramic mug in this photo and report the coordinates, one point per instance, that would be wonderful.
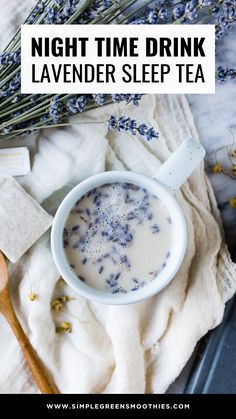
(164, 183)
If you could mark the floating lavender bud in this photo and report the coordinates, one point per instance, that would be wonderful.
(111, 281)
(155, 228)
(138, 284)
(124, 260)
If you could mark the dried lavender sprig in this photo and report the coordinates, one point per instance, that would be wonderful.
(222, 13)
(128, 17)
(36, 12)
(116, 6)
(74, 11)
(61, 106)
(164, 11)
(225, 73)
(78, 103)
(123, 123)
(63, 12)
(94, 11)
(8, 58)
(127, 98)
(100, 99)
(120, 11)
(225, 17)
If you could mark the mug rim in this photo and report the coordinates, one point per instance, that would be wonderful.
(178, 245)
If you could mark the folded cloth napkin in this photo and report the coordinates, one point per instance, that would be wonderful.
(116, 349)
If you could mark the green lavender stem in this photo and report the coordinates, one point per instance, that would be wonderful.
(22, 105)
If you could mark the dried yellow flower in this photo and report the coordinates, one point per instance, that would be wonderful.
(65, 298)
(60, 283)
(232, 202)
(64, 327)
(217, 168)
(58, 303)
(233, 154)
(234, 169)
(32, 296)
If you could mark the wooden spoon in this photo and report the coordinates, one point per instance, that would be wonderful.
(39, 373)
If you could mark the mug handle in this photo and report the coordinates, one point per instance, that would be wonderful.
(180, 165)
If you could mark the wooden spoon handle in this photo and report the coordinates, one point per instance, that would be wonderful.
(38, 370)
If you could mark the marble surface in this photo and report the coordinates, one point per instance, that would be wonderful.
(215, 119)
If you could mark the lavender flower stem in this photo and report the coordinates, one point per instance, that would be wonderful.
(26, 115)
(16, 107)
(9, 99)
(111, 10)
(78, 12)
(6, 71)
(119, 124)
(9, 77)
(39, 126)
(119, 12)
(127, 17)
(68, 124)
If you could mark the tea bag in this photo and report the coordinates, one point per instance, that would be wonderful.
(22, 220)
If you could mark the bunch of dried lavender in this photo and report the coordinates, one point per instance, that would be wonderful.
(21, 114)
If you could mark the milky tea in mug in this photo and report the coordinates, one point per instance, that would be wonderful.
(117, 237)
